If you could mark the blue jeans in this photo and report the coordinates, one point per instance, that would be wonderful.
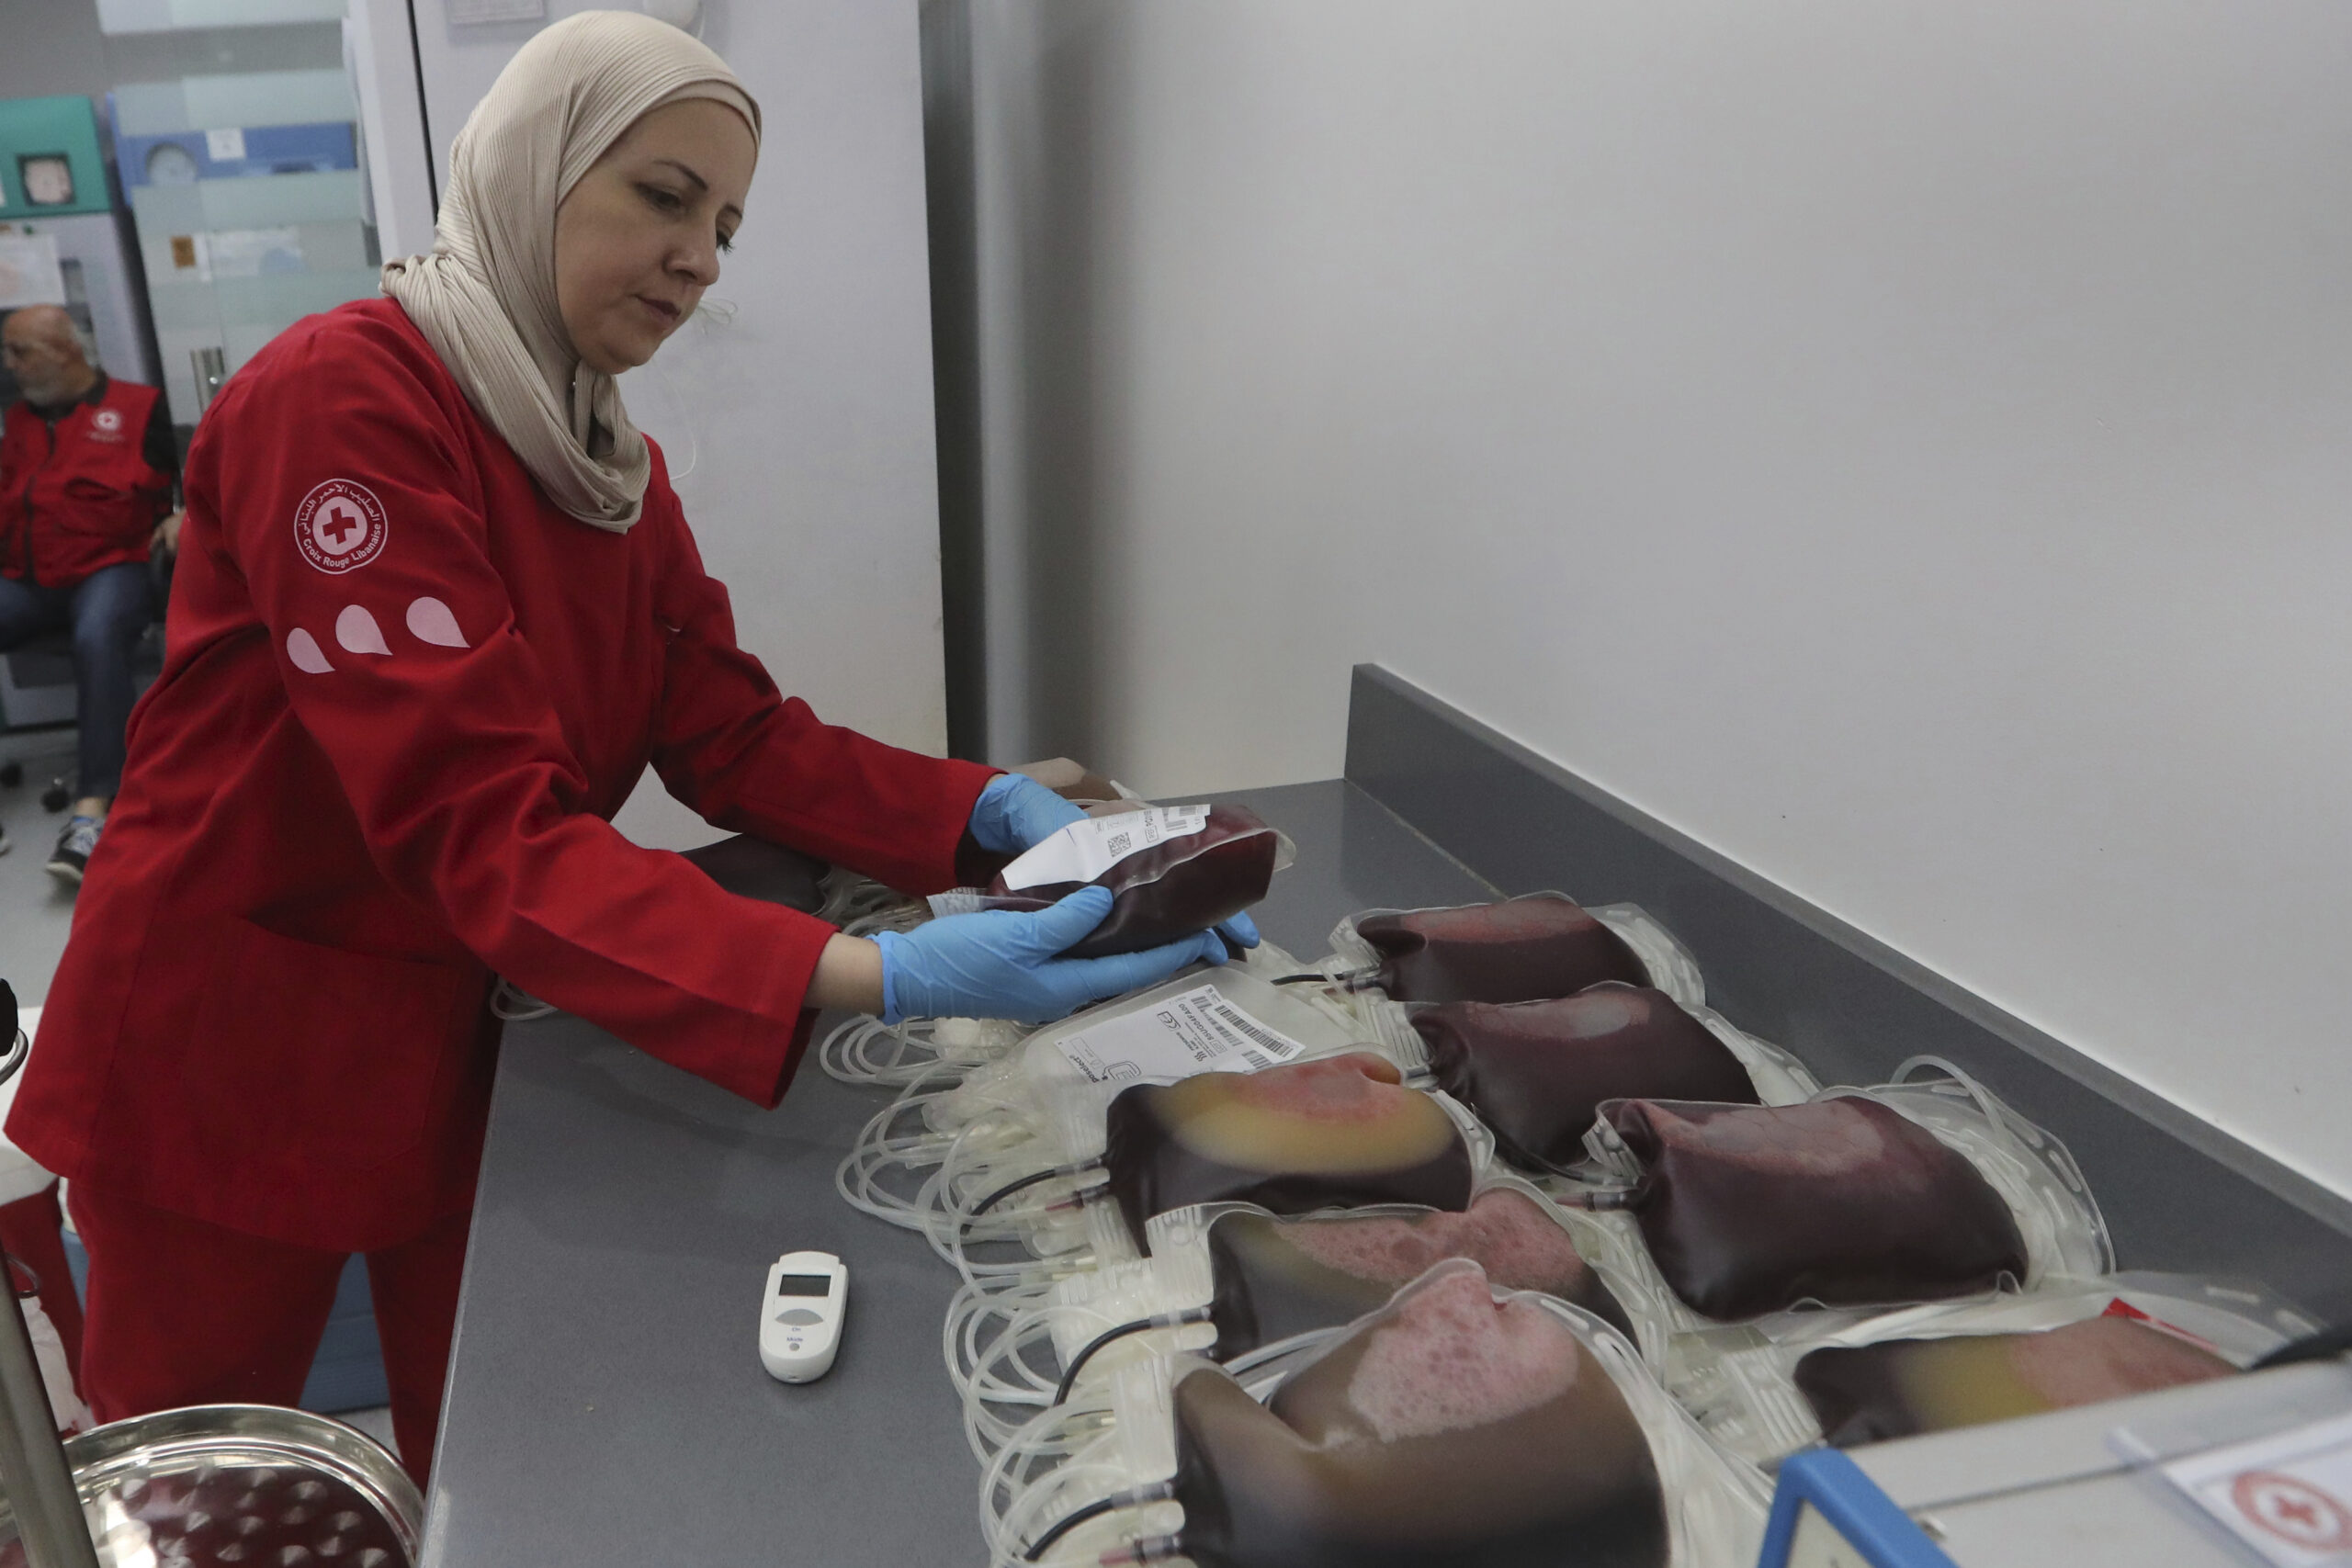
(107, 611)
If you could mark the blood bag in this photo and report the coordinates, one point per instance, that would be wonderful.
(1169, 876)
(1341, 1132)
(1454, 1426)
(1526, 949)
(755, 868)
(1246, 1288)
(1908, 1386)
(1276, 1278)
(959, 1132)
(1843, 1200)
(1535, 1072)
(1851, 1378)
(1449, 1428)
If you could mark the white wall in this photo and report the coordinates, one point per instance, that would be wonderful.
(53, 49)
(1905, 445)
(801, 428)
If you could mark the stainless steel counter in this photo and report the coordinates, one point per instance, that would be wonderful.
(606, 1404)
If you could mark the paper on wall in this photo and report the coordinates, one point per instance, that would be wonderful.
(30, 273)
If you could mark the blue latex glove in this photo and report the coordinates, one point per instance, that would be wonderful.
(1004, 964)
(1240, 930)
(1015, 812)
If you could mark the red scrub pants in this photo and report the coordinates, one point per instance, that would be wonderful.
(181, 1312)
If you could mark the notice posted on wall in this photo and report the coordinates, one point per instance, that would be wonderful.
(2287, 1497)
(30, 272)
(1199, 1031)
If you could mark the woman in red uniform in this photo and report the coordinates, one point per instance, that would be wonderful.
(437, 610)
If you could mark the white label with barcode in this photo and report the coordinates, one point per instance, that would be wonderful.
(1084, 850)
(1197, 1031)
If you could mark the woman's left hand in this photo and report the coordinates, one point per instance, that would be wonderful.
(1015, 813)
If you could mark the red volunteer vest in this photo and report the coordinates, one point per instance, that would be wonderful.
(84, 498)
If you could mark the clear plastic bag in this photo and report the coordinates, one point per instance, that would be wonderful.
(1797, 1207)
(1848, 1378)
(1454, 1426)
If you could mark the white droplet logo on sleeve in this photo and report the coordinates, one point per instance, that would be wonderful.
(303, 651)
(434, 621)
(358, 633)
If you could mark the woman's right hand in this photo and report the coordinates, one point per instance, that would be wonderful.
(1006, 963)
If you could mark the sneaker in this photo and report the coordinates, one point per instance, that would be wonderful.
(74, 847)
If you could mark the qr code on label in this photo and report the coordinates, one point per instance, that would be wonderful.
(1119, 844)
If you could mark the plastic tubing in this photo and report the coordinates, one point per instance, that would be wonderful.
(1112, 1336)
(973, 1307)
(1015, 1485)
(1134, 1497)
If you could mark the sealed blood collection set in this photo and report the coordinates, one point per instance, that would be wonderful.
(1482, 1241)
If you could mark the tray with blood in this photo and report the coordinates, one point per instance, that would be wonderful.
(238, 1516)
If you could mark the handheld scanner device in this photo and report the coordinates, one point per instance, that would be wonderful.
(800, 1315)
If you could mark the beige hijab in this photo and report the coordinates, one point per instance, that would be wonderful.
(485, 298)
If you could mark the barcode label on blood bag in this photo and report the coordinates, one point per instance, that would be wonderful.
(1197, 1031)
(1084, 850)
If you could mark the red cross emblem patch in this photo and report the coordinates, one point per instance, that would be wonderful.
(340, 525)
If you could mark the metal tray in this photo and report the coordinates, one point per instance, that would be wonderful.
(290, 1461)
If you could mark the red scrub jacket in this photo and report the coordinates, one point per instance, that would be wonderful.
(404, 695)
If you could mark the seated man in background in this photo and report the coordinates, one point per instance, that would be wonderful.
(86, 469)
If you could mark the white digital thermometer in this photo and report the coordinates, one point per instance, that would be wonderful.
(800, 1318)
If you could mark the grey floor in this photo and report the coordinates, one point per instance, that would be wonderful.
(36, 908)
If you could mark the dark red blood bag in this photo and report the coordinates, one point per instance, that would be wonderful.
(1278, 1278)
(1336, 1133)
(1520, 950)
(1450, 1430)
(755, 868)
(1869, 1393)
(1537, 1072)
(1751, 1209)
(1171, 889)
